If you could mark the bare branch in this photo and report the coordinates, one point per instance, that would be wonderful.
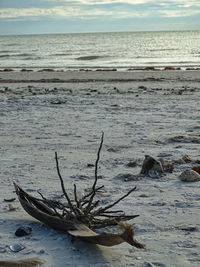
(96, 176)
(89, 194)
(101, 210)
(75, 197)
(50, 204)
(63, 187)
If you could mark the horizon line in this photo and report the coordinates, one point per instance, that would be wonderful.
(93, 32)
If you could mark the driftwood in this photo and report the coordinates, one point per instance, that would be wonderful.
(81, 215)
(106, 239)
(30, 262)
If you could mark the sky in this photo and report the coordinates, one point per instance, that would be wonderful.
(72, 16)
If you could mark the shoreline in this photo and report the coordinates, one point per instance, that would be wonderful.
(104, 69)
(100, 76)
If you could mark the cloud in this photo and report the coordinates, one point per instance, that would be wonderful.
(103, 2)
(179, 13)
(91, 9)
(186, 3)
(67, 12)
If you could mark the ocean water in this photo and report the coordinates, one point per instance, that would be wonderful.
(101, 50)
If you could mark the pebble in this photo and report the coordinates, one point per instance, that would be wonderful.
(16, 247)
(189, 176)
(127, 177)
(23, 231)
(131, 164)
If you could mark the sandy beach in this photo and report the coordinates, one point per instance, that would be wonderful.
(154, 113)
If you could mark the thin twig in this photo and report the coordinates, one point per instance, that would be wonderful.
(89, 194)
(93, 206)
(97, 223)
(50, 204)
(96, 176)
(119, 217)
(63, 187)
(75, 197)
(101, 210)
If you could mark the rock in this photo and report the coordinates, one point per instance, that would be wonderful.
(185, 139)
(186, 158)
(189, 176)
(169, 68)
(47, 70)
(112, 149)
(9, 199)
(26, 70)
(127, 177)
(106, 69)
(16, 248)
(196, 169)
(90, 165)
(132, 164)
(151, 167)
(189, 228)
(142, 87)
(149, 68)
(11, 207)
(23, 231)
(8, 69)
(169, 167)
(58, 102)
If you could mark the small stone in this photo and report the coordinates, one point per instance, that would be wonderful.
(127, 177)
(187, 159)
(112, 149)
(90, 165)
(23, 231)
(169, 167)
(42, 251)
(189, 176)
(131, 164)
(189, 228)
(196, 169)
(9, 199)
(2, 249)
(143, 195)
(16, 247)
(11, 208)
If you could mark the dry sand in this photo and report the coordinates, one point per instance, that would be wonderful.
(139, 112)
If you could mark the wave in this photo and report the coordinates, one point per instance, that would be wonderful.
(4, 51)
(32, 58)
(61, 54)
(89, 57)
(23, 55)
(5, 56)
(13, 44)
(164, 49)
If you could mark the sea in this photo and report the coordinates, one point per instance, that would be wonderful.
(120, 50)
